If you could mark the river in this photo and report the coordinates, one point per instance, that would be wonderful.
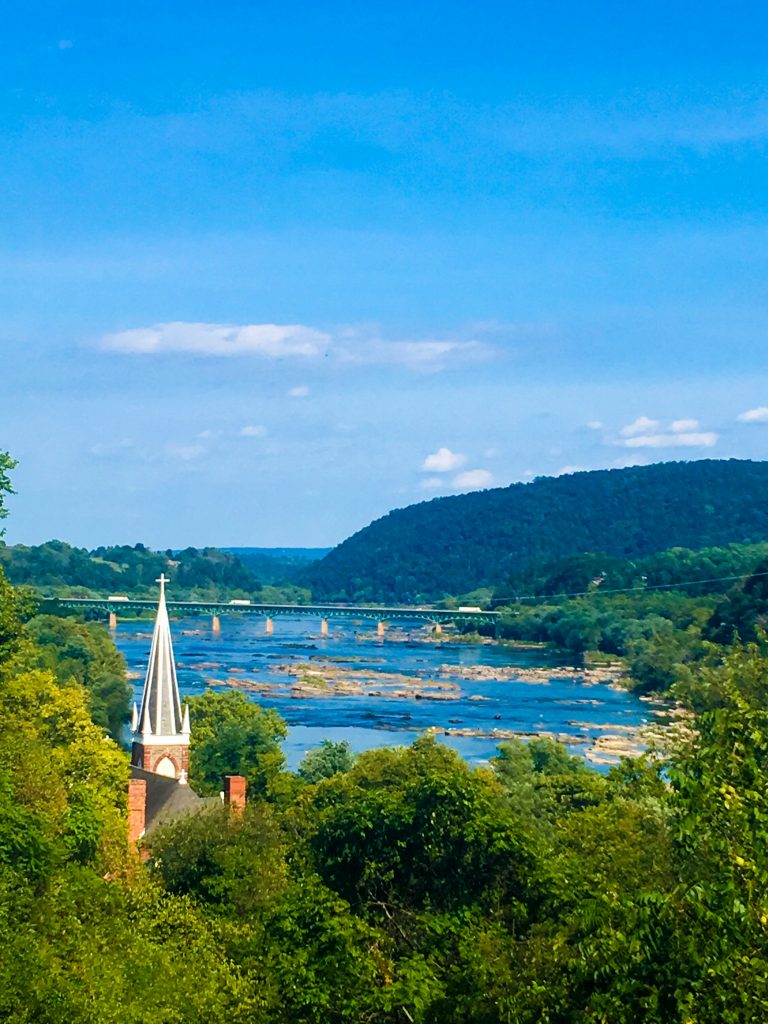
(450, 703)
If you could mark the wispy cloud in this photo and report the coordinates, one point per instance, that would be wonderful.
(693, 439)
(443, 461)
(345, 345)
(759, 415)
(253, 430)
(110, 449)
(424, 356)
(473, 480)
(426, 127)
(272, 341)
(302, 391)
(642, 425)
(185, 452)
(684, 426)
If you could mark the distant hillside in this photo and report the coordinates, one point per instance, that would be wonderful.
(277, 565)
(56, 567)
(454, 545)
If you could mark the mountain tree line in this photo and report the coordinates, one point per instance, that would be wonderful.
(453, 545)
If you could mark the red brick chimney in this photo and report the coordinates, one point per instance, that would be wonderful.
(137, 809)
(234, 792)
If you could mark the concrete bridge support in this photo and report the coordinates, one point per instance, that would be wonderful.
(324, 627)
(380, 627)
(215, 624)
(269, 626)
(113, 621)
(437, 629)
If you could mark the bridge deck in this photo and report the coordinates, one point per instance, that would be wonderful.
(380, 613)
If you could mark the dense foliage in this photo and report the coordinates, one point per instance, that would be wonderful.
(56, 567)
(85, 653)
(453, 545)
(233, 735)
(398, 886)
(657, 614)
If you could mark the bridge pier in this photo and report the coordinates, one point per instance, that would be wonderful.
(380, 627)
(437, 629)
(324, 627)
(215, 624)
(269, 626)
(113, 621)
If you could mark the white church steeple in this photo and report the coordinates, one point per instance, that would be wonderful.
(160, 728)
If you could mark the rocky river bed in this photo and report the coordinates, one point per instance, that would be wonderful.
(373, 692)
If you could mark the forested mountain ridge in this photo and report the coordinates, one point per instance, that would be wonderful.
(56, 567)
(455, 544)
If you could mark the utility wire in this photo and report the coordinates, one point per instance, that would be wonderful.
(629, 590)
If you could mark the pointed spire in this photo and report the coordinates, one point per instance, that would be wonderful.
(160, 703)
(135, 718)
(185, 723)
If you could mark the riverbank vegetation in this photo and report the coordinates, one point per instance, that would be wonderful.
(657, 615)
(397, 886)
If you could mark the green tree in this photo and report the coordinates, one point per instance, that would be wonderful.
(232, 735)
(326, 760)
(6, 465)
(85, 652)
(416, 828)
(235, 862)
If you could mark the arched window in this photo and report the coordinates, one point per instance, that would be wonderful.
(165, 766)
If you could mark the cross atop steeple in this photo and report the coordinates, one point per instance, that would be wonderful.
(161, 731)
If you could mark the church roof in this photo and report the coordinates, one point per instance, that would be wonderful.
(160, 713)
(168, 799)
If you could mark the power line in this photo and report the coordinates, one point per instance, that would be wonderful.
(631, 590)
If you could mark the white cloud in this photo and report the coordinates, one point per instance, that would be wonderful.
(473, 479)
(427, 356)
(299, 392)
(207, 435)
(759, 415)
(697, 439)
(684, 426)
(356, 345)
(595, 425)
(443, 461)
(642, 425)
(272, 341)
(492, 453)
(251, 430)
(433, 483)
(566, 470)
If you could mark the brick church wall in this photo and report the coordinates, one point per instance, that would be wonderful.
(148, 757)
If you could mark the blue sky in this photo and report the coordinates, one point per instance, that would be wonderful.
(269, 270)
